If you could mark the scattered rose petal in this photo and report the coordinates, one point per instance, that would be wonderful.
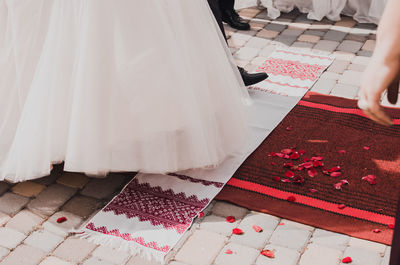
(301, 152)
(299, 168)
(268, 253)
(376, 231)
(371, 179)
(290, 164)
(230, 219)
(335, 174)
(286, 156)
(298, 179)
(347, 260)
(313, 190)
(272, 154)
(273, 163)
(281, 224)
(342, 152)
(312, 172)
(286, 151)
(277, 179)
(338, 186)
(342, 206)
(257, 228)
(306, 159)
(344, 181)
(294, 156)
(286, 180)
(307, 165)
(201, 214)
(280, 155)
(318, 164)
(237, 231)
(289, 174)
(318, 158)
(366, 147)
(228, 251)
(334, 169)
(61, 220)
(289, 128)
(391, 226)
(291, 198)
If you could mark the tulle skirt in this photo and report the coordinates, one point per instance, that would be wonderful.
(115, 85)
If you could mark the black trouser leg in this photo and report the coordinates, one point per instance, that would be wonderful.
(226, 4)
(216, 9)
(395, 254)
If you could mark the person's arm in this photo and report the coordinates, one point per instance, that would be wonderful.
(384, 67)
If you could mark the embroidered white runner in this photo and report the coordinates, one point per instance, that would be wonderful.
(152, 212)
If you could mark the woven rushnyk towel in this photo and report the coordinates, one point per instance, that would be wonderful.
(152, 212)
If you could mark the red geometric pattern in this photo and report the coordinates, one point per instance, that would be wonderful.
(201, 181)
(128, 237)
(157, 206)
(294, 69)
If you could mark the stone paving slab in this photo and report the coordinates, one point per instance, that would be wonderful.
(30, 233)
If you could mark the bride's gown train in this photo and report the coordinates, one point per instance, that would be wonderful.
(115, 85)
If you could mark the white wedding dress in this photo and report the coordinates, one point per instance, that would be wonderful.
(115, 85)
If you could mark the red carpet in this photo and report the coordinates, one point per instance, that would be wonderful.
(333, 131)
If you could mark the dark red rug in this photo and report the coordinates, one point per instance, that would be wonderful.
(329, 142)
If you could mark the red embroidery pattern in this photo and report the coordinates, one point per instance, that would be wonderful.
(158, 206)
(294, 69)
(128, 237)
(304, 54)
(194, 180)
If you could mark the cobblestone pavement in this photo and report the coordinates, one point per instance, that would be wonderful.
(30, 234)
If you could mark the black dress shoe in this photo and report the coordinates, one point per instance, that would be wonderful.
(234, 20)
(251, 79)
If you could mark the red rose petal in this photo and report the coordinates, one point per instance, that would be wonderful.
(344, 181)
(376, 231)
(286, 156)
(289, 128)
(280, 155)
(391, 226)
(268, 253)
(281, 224)
(291, 198)
(370, 178)
(307, 165)
(312, 172)
(228, 251)
(201, 214)
(298, 179)
(273, 163)
(294, 156)
(318, 158)
(290, 164)
(347, 260)
(318, 164)
(342, 206)
(230, 219)
(289, 174)
(257, 228)
(272, 154)
(306, 159)
(301, 152)
(338, 186)
(286, 180)
(334, 169)
(313, 190)
(61, 220)
(277, 179)
(335, 174)
(286, 151)
(237, 231)
(342, 152)
(366, 147)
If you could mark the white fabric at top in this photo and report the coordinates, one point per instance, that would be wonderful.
(121, 85)
(364, 11)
